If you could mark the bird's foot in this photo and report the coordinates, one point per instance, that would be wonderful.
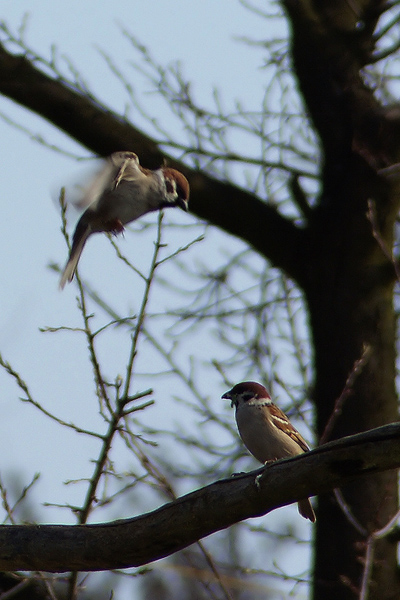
(115, 227)
(257, 481)
(238, 474)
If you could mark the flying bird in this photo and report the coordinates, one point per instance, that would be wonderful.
(120, 193)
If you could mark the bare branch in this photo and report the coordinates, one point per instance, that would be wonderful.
(176, 525)
(231, 208)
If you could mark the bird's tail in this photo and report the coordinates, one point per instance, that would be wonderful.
(306, 510)
(78, 244)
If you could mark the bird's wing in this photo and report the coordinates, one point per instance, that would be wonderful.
(282, 422)
(92, 190)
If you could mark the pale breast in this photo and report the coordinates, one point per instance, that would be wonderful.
(261, 438)
(126, 203)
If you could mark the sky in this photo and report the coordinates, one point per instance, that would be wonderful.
(30, 228)
(203, 37)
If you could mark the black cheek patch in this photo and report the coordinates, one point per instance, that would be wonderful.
(181, 192)
(169, 186)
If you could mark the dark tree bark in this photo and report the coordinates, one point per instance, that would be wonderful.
(176, 525)
(349, 280)
(336, 259)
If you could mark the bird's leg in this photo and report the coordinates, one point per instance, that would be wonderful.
(115, 227)
(257, 479)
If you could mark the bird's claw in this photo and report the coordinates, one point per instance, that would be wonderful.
(257, 481)
(115, 227)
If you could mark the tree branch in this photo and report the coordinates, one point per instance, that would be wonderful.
(233, 209)
(329, 52)
(176, 525)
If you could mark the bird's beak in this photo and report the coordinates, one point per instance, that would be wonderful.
(183, 204)
(228, 396)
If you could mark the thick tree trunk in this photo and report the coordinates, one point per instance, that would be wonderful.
(349, 281)
(350, 300)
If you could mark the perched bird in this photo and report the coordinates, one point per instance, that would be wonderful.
(265, 430)
(120, 193)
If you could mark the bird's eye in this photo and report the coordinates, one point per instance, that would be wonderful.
(247, 397)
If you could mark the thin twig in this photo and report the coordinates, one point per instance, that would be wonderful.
(358, 366)
(348, 513)
(372, 217)
(99, 380)
(142, 311)
(369, 555)
(24, 387)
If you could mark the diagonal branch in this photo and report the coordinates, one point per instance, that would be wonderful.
(233, 209)
(176, 525)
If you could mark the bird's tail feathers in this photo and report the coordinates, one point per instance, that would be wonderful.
(306, 510)
(75, 254)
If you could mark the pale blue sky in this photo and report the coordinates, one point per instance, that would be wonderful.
(200, 35)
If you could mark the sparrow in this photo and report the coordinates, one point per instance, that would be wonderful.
(122, 192)
(265, 430)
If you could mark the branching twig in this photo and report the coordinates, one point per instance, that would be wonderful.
(24, 387)
(371, 214)
(369, 554)
(358, 366)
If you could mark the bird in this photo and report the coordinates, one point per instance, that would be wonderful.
(121, 192)
(265, 430)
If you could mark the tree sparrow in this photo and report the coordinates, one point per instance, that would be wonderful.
(122, 192)
(265, 430)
